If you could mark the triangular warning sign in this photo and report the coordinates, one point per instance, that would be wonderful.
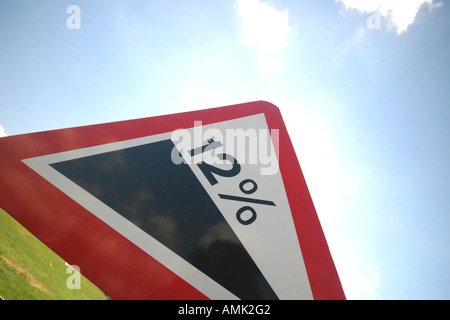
(208, 197)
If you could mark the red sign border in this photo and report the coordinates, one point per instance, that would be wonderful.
(116, 265)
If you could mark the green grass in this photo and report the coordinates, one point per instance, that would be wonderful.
(29, 270)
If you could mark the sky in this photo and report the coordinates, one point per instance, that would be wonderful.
(362, 87)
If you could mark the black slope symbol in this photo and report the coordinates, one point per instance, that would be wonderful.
(168, 202)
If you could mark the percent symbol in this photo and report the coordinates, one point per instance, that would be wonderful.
(248, 200)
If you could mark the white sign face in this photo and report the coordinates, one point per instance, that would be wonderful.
(207, 202)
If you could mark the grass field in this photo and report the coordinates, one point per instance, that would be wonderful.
(29, 270)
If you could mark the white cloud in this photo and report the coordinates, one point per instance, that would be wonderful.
(266, 29)
(2, 131)
(399, 13)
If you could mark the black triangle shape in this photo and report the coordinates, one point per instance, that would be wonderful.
(169, 203)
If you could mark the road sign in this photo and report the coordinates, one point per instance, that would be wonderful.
(210, 204)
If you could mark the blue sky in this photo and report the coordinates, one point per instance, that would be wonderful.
(362, 85)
